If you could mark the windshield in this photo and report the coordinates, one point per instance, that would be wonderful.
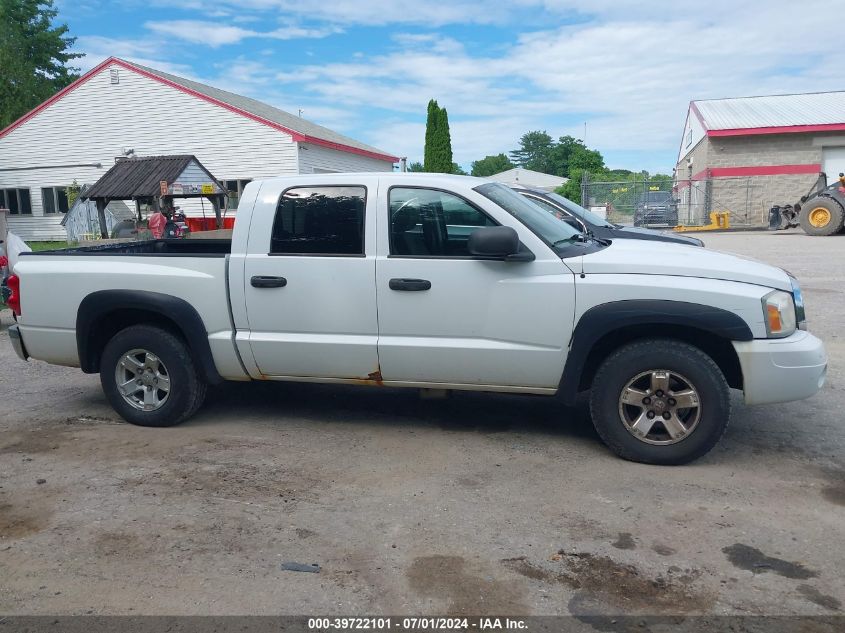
(577, 209)
(657, 197)
(544, 225)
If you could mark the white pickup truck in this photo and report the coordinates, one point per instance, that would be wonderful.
(425, 281)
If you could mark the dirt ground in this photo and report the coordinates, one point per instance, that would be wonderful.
(476, 504)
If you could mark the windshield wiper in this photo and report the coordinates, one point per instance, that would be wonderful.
(578, 237)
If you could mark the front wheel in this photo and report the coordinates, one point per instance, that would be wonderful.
(660, 401)
(822, 216)
(149, 377)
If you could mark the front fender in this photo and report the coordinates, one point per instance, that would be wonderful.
(602, 320)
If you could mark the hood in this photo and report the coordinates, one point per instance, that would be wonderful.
(643, 257)
(670, 235)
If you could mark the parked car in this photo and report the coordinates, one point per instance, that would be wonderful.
(425, 281)
(656, 208)
(588, 222)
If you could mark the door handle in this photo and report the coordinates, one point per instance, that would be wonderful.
(266, 281)
(413, 285)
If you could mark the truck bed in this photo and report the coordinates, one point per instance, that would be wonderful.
(156, 248)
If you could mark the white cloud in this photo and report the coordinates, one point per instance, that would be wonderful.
(629, 72)
(628, 69)
(432, 13)
(96, 48)
(216, 34)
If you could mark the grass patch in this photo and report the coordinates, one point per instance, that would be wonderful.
(47, 246)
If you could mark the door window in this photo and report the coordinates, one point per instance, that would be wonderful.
(426, 223)
(320, 221)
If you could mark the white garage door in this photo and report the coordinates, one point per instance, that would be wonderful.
(833, 162)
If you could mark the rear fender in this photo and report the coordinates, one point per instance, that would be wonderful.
(94, 326)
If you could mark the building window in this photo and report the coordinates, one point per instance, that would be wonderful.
(320, 221)
(16, 201)
(54, 199)
(234, 190)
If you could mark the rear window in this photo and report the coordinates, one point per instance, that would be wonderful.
(320, 221)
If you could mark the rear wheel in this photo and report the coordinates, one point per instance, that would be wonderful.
(149, 377)
(822, 216)
(660, 401)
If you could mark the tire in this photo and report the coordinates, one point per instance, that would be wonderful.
(700, 427)
(156, 358)
(822, 216)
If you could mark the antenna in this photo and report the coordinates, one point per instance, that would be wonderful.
(300, 113)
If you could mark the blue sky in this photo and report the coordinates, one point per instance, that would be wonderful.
(367, 68)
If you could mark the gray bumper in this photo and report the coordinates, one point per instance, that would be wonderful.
(17, 341)
(781, 370)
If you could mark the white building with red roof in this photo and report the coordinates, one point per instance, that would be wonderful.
(120, 107)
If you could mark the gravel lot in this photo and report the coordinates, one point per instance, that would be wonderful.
(472, 505)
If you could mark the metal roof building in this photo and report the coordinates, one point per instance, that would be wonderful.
(746, 154)
(822, 111)
(529, 178)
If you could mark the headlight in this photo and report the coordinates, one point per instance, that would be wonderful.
(798, 299)
(779, 314)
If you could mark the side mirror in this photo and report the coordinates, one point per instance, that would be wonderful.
(497, 242)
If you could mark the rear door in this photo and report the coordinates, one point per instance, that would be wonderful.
(309, 281)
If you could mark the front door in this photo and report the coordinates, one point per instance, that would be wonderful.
(310, 284)
(445, 317)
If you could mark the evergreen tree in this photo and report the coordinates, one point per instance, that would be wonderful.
(437, 156)
(431, 124)
(443, 144)
(535, 152)
(33, 56)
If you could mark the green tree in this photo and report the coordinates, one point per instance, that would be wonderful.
(490, 165)
(570, 154)
(535, 152)
(72, 191)
(572, 188)
(458, 170)
(441, 156)
(33, 56)
(416, 166)
(437, 156)
(431, 123)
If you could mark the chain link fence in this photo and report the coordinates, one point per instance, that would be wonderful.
(747, 199)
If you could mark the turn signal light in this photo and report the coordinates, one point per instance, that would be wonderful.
(775, 323)
(14, 301)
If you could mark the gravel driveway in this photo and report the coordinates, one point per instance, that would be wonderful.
(474, 504)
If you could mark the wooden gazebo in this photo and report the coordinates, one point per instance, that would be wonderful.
(156, 180)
